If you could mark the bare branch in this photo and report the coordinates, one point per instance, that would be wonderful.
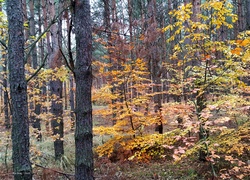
(37, 71)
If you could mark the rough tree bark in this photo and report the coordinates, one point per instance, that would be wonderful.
(83, 79)
(18, 92)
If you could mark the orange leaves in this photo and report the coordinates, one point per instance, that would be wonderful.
(142, 37)
(236, 51)
(241, 45)
(244, 42)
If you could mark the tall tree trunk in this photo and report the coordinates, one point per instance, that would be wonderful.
(6, 96)
(72, 101)
(38, 106)
(65, 95)
(36, 122)
(247, 14)
(25, 19)
(71, 77)
(240, 16)
(110, 44)
(5, 84)
(40, 25)
(155, 63)
(18, 92)
(83, 78)
(55, 61)
(49, 51)
(131, 39)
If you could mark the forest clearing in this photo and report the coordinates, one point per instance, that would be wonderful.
(107, 89)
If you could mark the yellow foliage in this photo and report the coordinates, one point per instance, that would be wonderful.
(142, 148)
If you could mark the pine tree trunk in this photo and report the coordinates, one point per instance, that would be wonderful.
(57, 121)
(36, 122)
(18, 92)
(6, 96)
(25, 19)
(56, 88)
(155, 64)
(72, 102)
(83, 78)
(247, 15)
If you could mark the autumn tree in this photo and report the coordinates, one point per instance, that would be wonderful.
(18, 92)
(214, 63)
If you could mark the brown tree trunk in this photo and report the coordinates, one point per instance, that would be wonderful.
(55, 61)
(240, 15)
(155, 63)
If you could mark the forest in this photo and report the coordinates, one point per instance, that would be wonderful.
(131, 89)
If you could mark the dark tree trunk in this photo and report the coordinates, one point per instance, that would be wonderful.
(6, 96)
(72, 102)
(155, 63)
(65, 95)
(18, 92)
(33, 33)
(248, 14)
(34, 62)
(57, 120)
(5, 85)
(107, 25)
(84, 169)
(44, 5)
(25, 19)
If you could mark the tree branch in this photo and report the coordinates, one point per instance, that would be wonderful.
(66, 61)
(37, 71)
(32, 46)
(71, 59)
(3, 44)
(56, 171)
(54, 20)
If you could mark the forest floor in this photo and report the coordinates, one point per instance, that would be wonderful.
(162, 170)
(42, 153)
